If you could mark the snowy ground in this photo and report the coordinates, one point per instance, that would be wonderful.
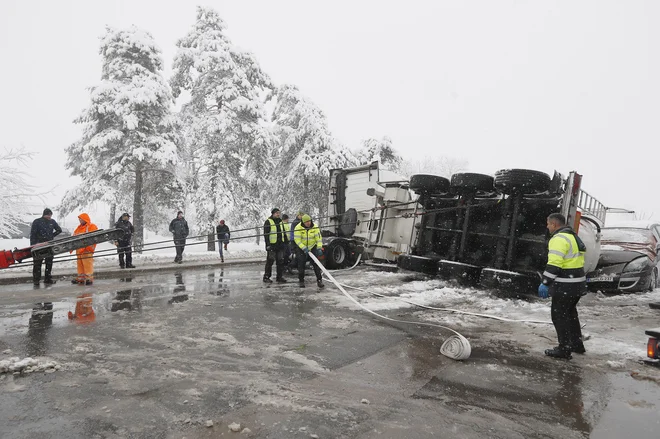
(106, 253)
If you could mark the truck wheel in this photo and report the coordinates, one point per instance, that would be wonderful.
(433, 184)
(524, 181)
(418, 263)
(470, 182)
(336, 255)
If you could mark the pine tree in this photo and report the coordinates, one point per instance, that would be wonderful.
(380, 150)
(128, 135)
(226, 141)
(307, 152)
(16, 190)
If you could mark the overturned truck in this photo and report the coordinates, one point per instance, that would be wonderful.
(474, 228)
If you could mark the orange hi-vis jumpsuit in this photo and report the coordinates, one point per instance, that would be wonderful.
(85, 254)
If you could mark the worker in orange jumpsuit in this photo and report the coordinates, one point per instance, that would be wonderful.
(86, 254)
(84, 310)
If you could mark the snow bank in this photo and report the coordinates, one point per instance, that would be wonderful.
(27, 365)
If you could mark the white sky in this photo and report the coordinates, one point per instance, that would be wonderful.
(544, 85)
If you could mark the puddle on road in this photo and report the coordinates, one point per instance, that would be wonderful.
(136, 294)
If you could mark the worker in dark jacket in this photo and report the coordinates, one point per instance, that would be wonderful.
(43, 229)
(222, 231)
(292, 245)
(565, 281)
(179, 229)
(276, 241)
(124, 243)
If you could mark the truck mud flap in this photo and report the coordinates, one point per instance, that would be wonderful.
(509, 284)
(418, 263)
(464, 274)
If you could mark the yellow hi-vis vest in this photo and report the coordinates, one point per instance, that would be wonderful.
(565, 260)
(276, 230)
(307, 238)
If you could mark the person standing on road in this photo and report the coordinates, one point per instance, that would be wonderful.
(179, 229)
(276, 241)
(564, 279)
(85, 255)
(43, 229)
(222, 230)
(287, 250)
(292, 243)
(124, 244)
(307, 237)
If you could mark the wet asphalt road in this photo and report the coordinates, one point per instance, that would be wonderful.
(164, 353)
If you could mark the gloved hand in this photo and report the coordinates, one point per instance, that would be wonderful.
(268, 248)
(317, 252)
(306, 250)
(544, 291)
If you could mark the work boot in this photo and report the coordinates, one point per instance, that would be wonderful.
(225, 246)
(280, 280)
(130, 266)
(320, 283)
(267, 280)
(49, 280)
(36, 284)
(121, 266)
(89, 282)
(301, 283)
(222, 259)
(578, 348)
(558, 353)
(75, 281)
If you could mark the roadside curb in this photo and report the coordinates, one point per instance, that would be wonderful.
(111, 273)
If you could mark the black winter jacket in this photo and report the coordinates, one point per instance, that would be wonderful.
(222, 229)
(43, 230)
(179, 228)
(128, 229)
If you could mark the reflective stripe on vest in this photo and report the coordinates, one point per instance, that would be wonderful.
(562, 257)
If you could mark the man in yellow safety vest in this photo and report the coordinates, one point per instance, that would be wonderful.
(276, 242)
(307, 237)
(565, 281)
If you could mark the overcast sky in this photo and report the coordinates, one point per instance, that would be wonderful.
(566, 85)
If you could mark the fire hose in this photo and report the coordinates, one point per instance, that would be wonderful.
(455, 347)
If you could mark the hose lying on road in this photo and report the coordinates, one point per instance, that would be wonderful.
(455, 347)
(457, 311)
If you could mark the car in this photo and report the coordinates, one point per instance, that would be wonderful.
(628, 259)
(653, 347)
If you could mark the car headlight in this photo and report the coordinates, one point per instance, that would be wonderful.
(636, 265)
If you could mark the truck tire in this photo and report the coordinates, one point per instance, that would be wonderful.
(336, 255)
(433, 184)
(471, 182)
(418, 263)
(524, 181)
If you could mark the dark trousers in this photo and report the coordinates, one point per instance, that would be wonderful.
(565, 318)
(276, 254)
(180, 244)
(124, 250)
(36, 269)
(302, 259)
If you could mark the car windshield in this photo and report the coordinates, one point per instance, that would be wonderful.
(633, 236)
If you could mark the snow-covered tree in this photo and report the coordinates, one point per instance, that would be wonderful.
(226, 142)
(307, 152)
(437, 165)
(16, 190)
(380, 150)
(128, 135)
